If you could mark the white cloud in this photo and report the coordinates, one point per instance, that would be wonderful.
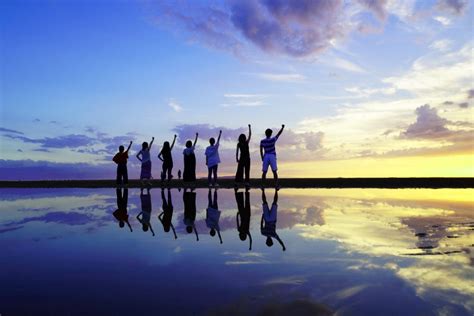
(441, 45)
(175, 105)
(443, 20)
(282, 77)
(244, 100)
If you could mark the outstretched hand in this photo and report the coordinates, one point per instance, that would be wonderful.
(175, 136)
(282, 125)
(152, 138)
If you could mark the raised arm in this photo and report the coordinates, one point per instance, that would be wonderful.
(219, 138)
(130, 145)
(195, 140)
(281, 130)
(151, 143)
(250, 134)
(174, 140)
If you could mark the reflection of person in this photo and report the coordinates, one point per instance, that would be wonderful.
(243, 162)
(189, 199)
(167, 215)
(269, 158)
(144, 157)
(145, 215)
(167, 158)
(189, 173)
(243, 225)
(213, 160)
(212, 215)
(121, 213)
(120, 159)
(269, 219)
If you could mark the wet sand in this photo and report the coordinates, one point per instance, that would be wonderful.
(394, 183)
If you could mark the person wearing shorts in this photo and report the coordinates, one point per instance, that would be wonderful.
(268, 154)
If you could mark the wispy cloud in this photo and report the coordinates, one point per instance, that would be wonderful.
(244, 100)
(282, 77)
(172, 103)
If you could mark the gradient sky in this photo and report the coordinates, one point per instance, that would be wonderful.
(365, 88)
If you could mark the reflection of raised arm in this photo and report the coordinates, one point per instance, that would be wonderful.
(195, 140)
(281, 130)
(129, 226)
(151, 143)
(151, 229)
(219, 138)
(250, 134)
(174, 232)
(219, 234)
(250, 238)
(281, 242)
(237, 154)
(130, 145)
(196, 232)
(172, 144)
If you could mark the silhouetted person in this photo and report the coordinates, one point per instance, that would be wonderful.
(120, 159)
(145, 214)
(189, 173)
(167, 158)
(144, 156)
(121, 213)
(212, 215)
(213, 160)
(243, 225)
(269, 158)
(166, 216)
(243, 162)
(269, 220)
(179, 174)
(189, 199)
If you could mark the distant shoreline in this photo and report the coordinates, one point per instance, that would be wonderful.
(390, 183)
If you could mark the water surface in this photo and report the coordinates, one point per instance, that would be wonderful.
(351, 251)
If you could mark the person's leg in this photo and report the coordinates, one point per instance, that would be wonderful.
(264, 168)
(209, 199)
(214, 171)
(273, 163)
(240, 172)
(118, 180)
(209, 173)
(125, 174)
(170, 169)
(247, 171)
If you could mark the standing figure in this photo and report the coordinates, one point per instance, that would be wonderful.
(167, 159)
(212, 215)
(189, 200)
(120, 159)
(189, 173)
(269, 220)
(269, 158)
(243, 162)
(167, 215)
(145, 215)
(213, 160)
(121, 213)
(144, 156)
(243, 225)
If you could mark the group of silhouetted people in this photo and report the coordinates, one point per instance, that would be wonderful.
(213, 214)
(242, 155)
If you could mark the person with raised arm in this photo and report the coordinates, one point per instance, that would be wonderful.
(167, 215)
(189, 173)
(243, 162)
(189, 201)
(167, 159)
(120, 159)
(269, 220)
(121, 213)
(213, 160)
(243, 215)
(145, 215)
(212, 215)
(268, 155)
(144, 157)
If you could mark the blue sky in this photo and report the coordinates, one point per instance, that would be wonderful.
(348, 78)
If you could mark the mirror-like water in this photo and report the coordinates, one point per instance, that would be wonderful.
(354, 252)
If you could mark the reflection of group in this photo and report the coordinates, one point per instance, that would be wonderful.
(213, 214)
(242, 155)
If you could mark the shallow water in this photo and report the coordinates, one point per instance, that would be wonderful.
(351, 251)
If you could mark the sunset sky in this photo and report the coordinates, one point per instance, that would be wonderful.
(365, 88)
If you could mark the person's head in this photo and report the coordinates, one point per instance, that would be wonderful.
(121, 224)
(144, 145)
(189, 144)
(121, 148)
(212, 232)
(166, 145)
(268, 132)
(242, 138)
(269, 241)
(145, 227)
(242, 236)
(212, 141)
(189, 229)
